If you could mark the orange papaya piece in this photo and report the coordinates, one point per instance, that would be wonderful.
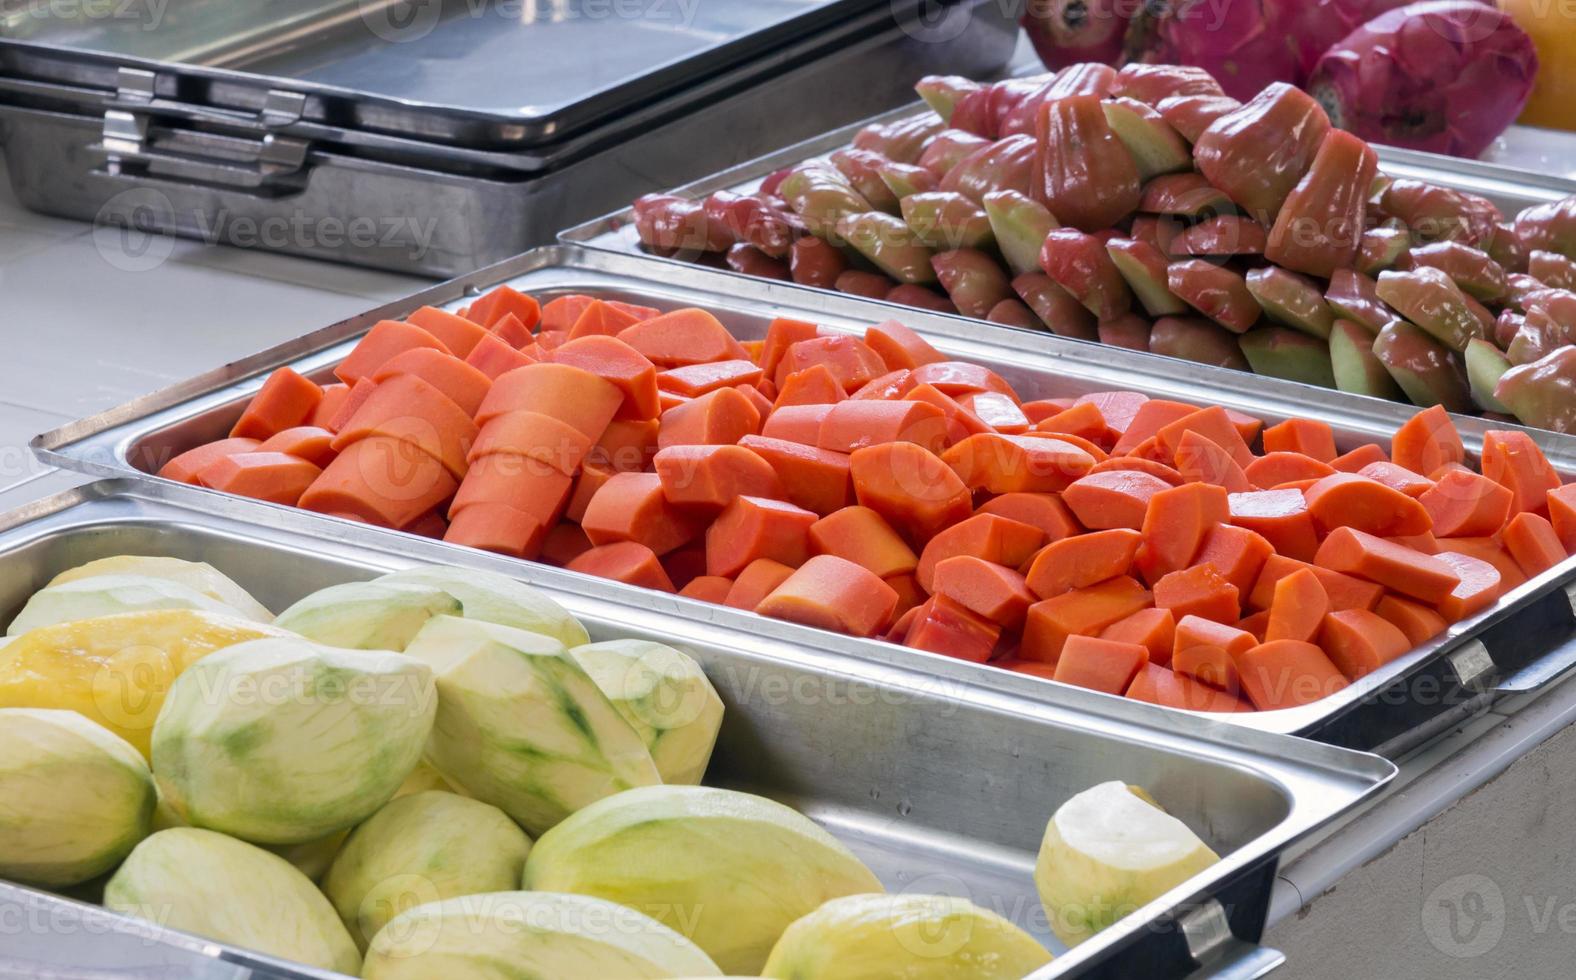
(713, 476)
(627, 445)
(995, 539)
(1201, 461)
(1081, 612)
(1258, 624)
(1210, 665)
(695, 380)
(1427, 441)
(505, 301)
(708, 588)
(961, 423)
(1349, 500)
(632, 507)
(1359, 642)
(863, 536)
(686, 563)
(1160, 471)
(1344, 591)
(1394, 566)
(587, 482)
(1161, 685)
(719, 418)
(386, 339)
(1532, 542)
(1298, 609)
(308, 442)
(560, 314)
(1355, 460)
(407, 408)
(465, 384)
(1175, 524)
(911, 487)
(334, 398)
(510, 330)
(1118, 408)
(815, 385)
(601, 319)
(756, 527)
(909, 594)
(1397, 477)
(1152, 629)
(853, 364)
(1307, 437)
(457, 333)
(614, 360)
(383, 481)
(1000, 412)
(1273, 469)
(1237, 553)
(498, 528)
(945, 626)
(781, 334)
(525, 484)
(563, 543)
(855, 424)
(796, 423)
(1081, 561)
(1514, 461)
(996, 592)
(1001, 463)
(1214, 425)
(185, 467)
(278, 478)
(1042, 510)
(1480, 586)
(1419, 623)
(1041, 409)
(1112, 498)
(1281, 517)
(495, 358)
(815, 479)
(960, 378)
(899, 347)
(285, 400)
(687, 336)
(534, 436)
(757, 581)
(1562, 514)
(1148, 419)
(560, 391)
(1080, 420)
(1198, 591)
(1463, 504)
(834, 594)
(624, 561)
(888, 387)
(1287, 674)
(1195, 633)
(1100, 665)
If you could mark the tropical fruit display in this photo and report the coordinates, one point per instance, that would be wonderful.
(1171, 552)
(1148, 208)
(304, 802)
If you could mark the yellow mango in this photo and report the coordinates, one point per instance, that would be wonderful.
(116, 670)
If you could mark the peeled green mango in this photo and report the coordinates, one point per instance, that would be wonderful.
(727, 869)
(197, 575)
(916, 937)
(75, 798)
(367, 615)
(529, 935)
(106, 595)
(1108, 851)
(419, 849)
(497, 599)
(284, 741)
(229, 891)
(521, 726)
(665, 696)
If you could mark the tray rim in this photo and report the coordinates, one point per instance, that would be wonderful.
(232, 380)
(1308, 775)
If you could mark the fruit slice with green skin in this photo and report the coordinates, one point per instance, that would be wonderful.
(231, 892)
(1469, 268)
(889, 244)
(1057, 309)
(946, 219)
(1215, 291)
(1080, 264)
(736, 869)
(1486, 364)
(1424, 368)
(1381, 248)
(193, 574)
(1144, 268)
(1528, 344)
(1428, 298)
(1013, 313)
(1354, 296)
(903, 179)
(1552, 269)
(862, 168)
(1128, 330)
(528, 935)
(1543, 393)
(665, 696)
(419, 849)
(376, 615)
(820, 195)
(522, 726)
(1281, 352)
(1291, 299)
(1107, 852)
(494, 598)
(974, 281)
(81, 797)
(1019, 224)
(284, 741)
(1196, 339)
(916, 937)
(1156, 147)
(942, 92)
(1356, 368)
(107, 595)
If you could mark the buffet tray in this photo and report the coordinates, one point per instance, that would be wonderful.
(1526, 639)
(938, 785)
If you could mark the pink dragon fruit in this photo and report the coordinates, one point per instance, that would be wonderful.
(1245, 44)
(1445, 76)
(1065, 32)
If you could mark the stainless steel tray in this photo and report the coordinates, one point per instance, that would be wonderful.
(497, 73)
(128, 150)
(939, 786)
(1532, 629)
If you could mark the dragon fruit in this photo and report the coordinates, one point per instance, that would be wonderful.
(1245, 44)
(1065, 32)
(1446, 76)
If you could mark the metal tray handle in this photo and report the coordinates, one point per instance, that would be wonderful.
(1222, 955)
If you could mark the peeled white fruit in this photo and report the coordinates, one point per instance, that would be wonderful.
(665, 695)
(494, 598)
(729, 870)
(367, 615)
(198, 575)
(521, 726)
(916, 937)
(420, 849)
(312, 858)
(106, 595)
(283, 741)
(1108, 851)
(227, 890)
(530, 934)
(75, 798)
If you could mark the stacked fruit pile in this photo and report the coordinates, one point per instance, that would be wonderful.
(1147, 209)
(871, 486)
(356, 786)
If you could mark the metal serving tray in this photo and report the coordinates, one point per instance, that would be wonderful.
(129, 147)
(1523, 640)
(939, 786)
